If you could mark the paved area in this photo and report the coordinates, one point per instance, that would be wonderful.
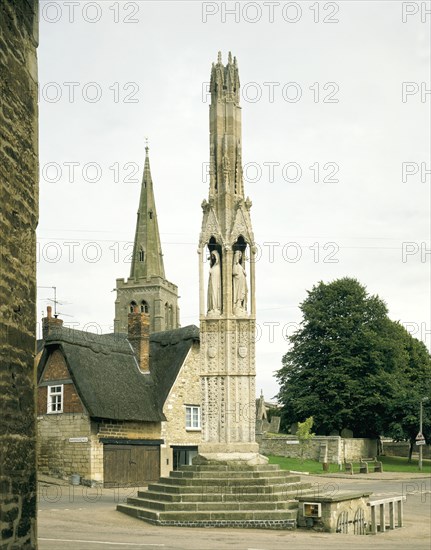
(82, 518)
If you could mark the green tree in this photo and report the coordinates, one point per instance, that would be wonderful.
(347, 362)
(304, 434)
(413, 384)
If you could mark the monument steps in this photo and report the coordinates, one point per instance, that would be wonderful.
(261, 496)
(194, 516)
(214, 474)
(298, 490)
(211, 506)
(233, 480)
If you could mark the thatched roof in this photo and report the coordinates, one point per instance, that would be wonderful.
(106, 374)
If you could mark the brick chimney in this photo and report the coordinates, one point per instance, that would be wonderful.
(50, 323)
(138, 329)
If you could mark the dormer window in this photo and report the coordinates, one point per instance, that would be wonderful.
(141, 255)
(150, 213)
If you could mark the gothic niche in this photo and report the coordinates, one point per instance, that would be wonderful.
(239, 277)
(214, 301)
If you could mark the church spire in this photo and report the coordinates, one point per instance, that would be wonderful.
(147, 260)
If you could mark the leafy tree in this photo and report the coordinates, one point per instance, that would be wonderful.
(414, 383)
(304, 434)
(348, 362)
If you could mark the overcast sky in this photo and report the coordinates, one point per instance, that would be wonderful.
(322, 87)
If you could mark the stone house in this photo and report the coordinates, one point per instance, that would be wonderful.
(117, 409)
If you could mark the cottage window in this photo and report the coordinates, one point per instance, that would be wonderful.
(193, 417)
(55, 399)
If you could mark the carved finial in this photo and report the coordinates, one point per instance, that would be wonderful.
(235, 61)
(147, 148)
(219, 57)
(229, 58)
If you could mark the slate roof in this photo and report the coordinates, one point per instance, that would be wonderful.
(106, 375)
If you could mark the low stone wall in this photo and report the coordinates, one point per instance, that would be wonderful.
(401, 448)
(343, 513)
(357, 448)
(336, 449)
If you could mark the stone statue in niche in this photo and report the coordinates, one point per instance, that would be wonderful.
(239, 284)
(214, 285)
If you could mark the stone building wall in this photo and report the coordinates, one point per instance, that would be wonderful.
(185, 391)
(57, 456)
(18, 221)
(129, 430)
(60, 457)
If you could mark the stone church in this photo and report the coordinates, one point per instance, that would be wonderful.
(147, 287)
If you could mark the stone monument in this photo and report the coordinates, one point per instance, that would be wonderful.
(228, 315)
(229, 483)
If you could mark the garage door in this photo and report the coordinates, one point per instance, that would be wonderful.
(130, 465)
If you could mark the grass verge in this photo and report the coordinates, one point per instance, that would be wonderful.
(390, 464)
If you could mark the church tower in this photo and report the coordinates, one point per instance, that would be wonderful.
(227, 285)
(147, 287)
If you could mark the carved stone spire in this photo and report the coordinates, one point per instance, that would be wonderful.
(227, 290)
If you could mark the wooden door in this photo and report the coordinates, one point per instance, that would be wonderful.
(145, 464)
(130, 465)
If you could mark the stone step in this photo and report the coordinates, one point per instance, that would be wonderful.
(227, 481)
(229, 467)
(238, 489)
(237, 474)
(200, 506)
(294, 491)
(193, 517)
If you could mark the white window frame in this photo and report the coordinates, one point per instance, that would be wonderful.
(51, 394)
(191, 423)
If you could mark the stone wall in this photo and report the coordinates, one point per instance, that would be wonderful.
(18, 221)
(185, 391)
(59, 457)
(356, 448)
(337, 450)
(401, 448)
(352, 507)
